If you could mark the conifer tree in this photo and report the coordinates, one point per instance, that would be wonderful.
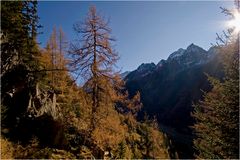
(94, 106)
(93, 57)
(217, 116)
(55, 64)
(217, 121)
(19, 52)
(18, 34)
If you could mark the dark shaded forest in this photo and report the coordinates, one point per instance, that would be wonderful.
(46, 114)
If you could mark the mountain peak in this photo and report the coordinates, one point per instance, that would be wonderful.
(179, 60)
(161, 62)
(193, 55)
(192, 45)
(146, 64)
(146, 68)
(194, 48)
(177, 53)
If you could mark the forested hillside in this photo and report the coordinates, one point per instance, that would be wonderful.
(188, 92)
(45, 114)
(169, 89)
(67, 98)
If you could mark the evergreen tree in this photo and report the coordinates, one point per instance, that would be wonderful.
(18, 35)
(31, 101)
(19, 56)
(217, 116)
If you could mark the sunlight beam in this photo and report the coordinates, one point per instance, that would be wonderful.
(235, 22)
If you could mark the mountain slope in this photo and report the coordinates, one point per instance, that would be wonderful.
(169, 88)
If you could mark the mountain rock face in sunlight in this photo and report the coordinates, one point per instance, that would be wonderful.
(177, 53)
(146, 67)
(193, 55)
(169, 88)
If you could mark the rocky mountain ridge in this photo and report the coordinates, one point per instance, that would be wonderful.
(169, 88)
(184, 58)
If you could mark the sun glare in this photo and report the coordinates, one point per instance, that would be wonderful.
(235, 22)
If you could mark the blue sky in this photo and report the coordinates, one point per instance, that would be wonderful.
(145, 31)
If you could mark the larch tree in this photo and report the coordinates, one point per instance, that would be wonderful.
(93, 57)
(53, 59)
(71, 100)
(53, 48)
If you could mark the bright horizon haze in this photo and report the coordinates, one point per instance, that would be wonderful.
(145, 32)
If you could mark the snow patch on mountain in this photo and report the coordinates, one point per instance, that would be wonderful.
(146, 67)
(181, 59)
(177, 53)
(194, 48)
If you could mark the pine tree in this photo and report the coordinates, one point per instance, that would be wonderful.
(19, 52)
(18, 34)
(217, 116)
